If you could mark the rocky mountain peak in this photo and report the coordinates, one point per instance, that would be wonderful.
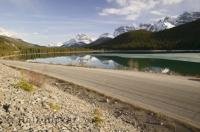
(106, 35)
(123, 29)
(78, 40)
(187, 17)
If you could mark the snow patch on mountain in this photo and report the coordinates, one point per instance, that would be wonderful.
(162, 24)
(123, 29)
(187, 17)
(5, 32)
(106, 35)
(78, 40)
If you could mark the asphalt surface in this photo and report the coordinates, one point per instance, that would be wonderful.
(174, 96)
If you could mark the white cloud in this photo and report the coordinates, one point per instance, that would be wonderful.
(169, 2)
(132, 9)
(157, 13)
(161, 12)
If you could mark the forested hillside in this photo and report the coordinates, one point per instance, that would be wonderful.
(10, 46)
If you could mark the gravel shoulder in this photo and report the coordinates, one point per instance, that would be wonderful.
(49, 108)
(56, 105)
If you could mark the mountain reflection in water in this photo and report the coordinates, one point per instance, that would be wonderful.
(117, 62)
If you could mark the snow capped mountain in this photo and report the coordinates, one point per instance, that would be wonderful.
(145, 27)
(162, 24)
(5, 32)
(79, 40)
(187, 17)
(106, 35)
(123, 29)
(170, 22)
(103, 38)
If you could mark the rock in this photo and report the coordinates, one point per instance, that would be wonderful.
(6, 107)
(107, 100)
(161, 123)
(165, 71)
(14, 129)
(25, 126)
(45, 105)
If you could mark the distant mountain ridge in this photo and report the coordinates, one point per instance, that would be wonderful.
(160, 25)
(13, 43)
(78, 41)
(82, 40)
(9, 45)
(185, 36)
(4, 32)
(106, 35)
(187, 17)
(102, 39)
(123, 29)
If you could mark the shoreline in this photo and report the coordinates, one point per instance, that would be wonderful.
(71, 52)
(153, 51)
(111, 51)
(195, 77)
(170, 57)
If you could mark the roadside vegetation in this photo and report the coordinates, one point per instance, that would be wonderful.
(54, 106)
(97, 117)
(30, 80)
(25, 85)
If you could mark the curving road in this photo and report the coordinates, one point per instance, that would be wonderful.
(175, 96)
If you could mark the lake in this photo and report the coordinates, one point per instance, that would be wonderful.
(166, 63)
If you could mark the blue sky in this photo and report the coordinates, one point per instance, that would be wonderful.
(52, 21)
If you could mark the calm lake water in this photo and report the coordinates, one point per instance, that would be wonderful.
(171, 63)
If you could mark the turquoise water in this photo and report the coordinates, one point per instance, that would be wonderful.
(179, 63)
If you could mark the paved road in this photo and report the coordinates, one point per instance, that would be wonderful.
(175, 96)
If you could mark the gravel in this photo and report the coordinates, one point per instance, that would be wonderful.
(49, 108)
(56, 105)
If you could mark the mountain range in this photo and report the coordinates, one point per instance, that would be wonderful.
(78, 41)
(182, 37)
(160, 25)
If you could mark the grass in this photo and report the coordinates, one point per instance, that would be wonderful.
(25, 85)
(98, 117)
(161, 116)
(55, 107)
(29, 80)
